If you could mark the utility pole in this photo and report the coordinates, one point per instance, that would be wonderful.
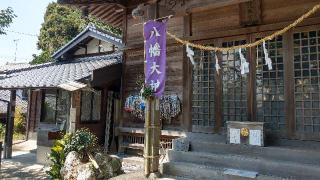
(15, 53)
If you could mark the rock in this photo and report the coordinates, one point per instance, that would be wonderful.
(116, 165)
(110, 166)
(180, 144)
(69, 170)
(74, 169)
(85, 172)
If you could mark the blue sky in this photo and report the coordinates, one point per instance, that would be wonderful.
(29, 18)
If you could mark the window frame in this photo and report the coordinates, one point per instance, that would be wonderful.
(57, 96)
(43, 99)
(91, 107)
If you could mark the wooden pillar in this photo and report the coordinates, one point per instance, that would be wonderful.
(28, 114)
(73, 114)
(152, 121)
(187, 81)
(251, 56)
(218, 94)
(152, 136)
(289, 84)
(9, 126)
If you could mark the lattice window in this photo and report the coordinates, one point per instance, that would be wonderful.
(203, 89)
(307, 81)
(270, 86)
(234, 85)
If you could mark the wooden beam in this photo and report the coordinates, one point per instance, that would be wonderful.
(115, 18)
(108, 13)
(197, 6)
(89, 2)
(105, 10)
(250, 13)
(118, 23)
(9, 126)
(96, 8)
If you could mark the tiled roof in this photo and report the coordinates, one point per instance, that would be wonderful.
(56, 73)
(13, 66)
(20, 102)
(89, 31)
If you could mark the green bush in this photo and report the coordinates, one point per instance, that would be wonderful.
(19, 122)
(82, 141)
(57, 156)
(2, 131)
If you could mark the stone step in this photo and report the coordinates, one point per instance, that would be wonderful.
(296, 155)
(196, 171)
(260, 165)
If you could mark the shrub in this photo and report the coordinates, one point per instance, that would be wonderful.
(19, 122)
(83, 142)
(2, 131)
(57, 156)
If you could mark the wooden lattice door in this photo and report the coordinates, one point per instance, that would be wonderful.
(306, 44)
(235, 85)
(203, 90)
(270, 101)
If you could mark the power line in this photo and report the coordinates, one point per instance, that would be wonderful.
(22, 33)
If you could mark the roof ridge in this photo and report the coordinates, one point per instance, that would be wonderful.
(92, 31)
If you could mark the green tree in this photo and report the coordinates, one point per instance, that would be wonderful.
(61, 24)
(6, 18)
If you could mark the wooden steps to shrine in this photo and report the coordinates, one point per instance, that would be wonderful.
(209, 157)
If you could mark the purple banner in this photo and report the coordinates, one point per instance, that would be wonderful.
(155, 49)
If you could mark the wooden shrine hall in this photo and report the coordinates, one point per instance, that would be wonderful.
(213, 111)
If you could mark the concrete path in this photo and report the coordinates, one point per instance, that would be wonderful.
(23, 163)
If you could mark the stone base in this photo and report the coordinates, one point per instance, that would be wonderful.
(180, 144)
(42, 155)
(155, 175)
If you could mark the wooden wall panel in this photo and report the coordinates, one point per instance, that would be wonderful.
(98, 128)
(206, 22)
(275, 11)
(135, 66)
(134, 32)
